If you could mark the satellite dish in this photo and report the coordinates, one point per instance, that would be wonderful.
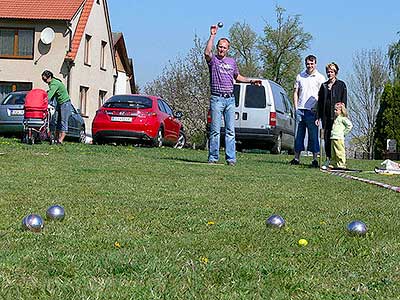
(47, 35)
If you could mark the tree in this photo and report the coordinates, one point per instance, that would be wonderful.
(184, 84)
(394, 59)
(366, 85)
(243, 48)
(388, 118)
(281, 49)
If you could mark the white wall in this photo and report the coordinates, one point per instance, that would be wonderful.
(92, 76)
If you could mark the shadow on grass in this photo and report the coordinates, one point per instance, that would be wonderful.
(190, 161)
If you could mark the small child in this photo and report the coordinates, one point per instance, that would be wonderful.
(341, 127)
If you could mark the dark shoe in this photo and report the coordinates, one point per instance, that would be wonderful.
(231, 163)
(294, 162)
(314, 164)
(212, 162)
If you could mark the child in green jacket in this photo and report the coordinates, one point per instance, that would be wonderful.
(341, 127)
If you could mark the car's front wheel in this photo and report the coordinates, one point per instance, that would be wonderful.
(82, 135)
(181, 140)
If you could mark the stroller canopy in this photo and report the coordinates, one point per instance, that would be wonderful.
(36, 100)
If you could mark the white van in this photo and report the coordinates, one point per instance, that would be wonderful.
(264, 117)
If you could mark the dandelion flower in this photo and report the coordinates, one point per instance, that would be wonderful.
(117, 245)
(204, 259)
(210, 223)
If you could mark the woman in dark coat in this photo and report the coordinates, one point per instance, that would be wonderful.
(331, 92)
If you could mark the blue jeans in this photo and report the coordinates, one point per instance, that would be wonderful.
(305, 120)
(219, 107)
(64, 112)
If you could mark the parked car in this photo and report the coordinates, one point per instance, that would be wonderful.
(12, 117)
(264, 117)
(138, 119)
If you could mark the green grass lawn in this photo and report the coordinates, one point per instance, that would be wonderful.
(145, 223)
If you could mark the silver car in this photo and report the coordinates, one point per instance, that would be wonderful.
(12, 117)
(12, 113)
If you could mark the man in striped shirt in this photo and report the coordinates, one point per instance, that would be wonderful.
(223, 73)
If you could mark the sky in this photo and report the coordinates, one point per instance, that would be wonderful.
(157, 32)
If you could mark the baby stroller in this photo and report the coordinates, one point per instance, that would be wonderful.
(37, 118)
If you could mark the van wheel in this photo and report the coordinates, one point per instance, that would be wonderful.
(240, 147)
(277, 148)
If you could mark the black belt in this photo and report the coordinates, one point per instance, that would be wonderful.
(223, 95)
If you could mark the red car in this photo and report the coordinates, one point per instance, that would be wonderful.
(138, 118)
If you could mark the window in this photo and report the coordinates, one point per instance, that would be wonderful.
(255, 97)
(83, 95)
(236, 92)
(98, 1)
(168, 109)
(128, 101)
(7, 87)
(102, 96)
(14, 99)
(102, 55)
(161, 106)
(87, 49)
(278, 98)
(16, 43)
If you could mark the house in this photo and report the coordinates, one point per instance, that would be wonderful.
(125, 83)
(73, 39)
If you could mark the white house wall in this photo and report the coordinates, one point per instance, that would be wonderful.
(121, 84)
(92, 76)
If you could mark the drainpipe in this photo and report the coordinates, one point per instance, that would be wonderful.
(69, 63)
(69, 29)
(115, 83)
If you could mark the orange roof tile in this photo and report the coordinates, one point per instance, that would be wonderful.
(80, 28)
(39, 9)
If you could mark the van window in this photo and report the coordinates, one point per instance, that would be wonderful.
(278, 98)
(286, 101)
(255, 97)
(236, 92)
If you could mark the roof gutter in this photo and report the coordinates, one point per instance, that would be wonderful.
(69, 29)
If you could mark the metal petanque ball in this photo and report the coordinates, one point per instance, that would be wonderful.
(55, 212)
(33, 223)
(220, 24)
(357, 227)
(24, 225)
(275, 221)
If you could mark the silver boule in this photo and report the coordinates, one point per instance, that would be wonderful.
(220, 24)
(55, 212)
(357, 227)
(24, 225)
(33, 223)
(275, 221)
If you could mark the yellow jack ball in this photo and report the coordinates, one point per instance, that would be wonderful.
(303, 242)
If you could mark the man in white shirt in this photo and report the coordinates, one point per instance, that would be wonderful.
(305, 98)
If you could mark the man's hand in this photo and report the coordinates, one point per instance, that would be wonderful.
(256, 82)
(213, 29)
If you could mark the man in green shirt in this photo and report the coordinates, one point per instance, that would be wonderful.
(59, 92)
